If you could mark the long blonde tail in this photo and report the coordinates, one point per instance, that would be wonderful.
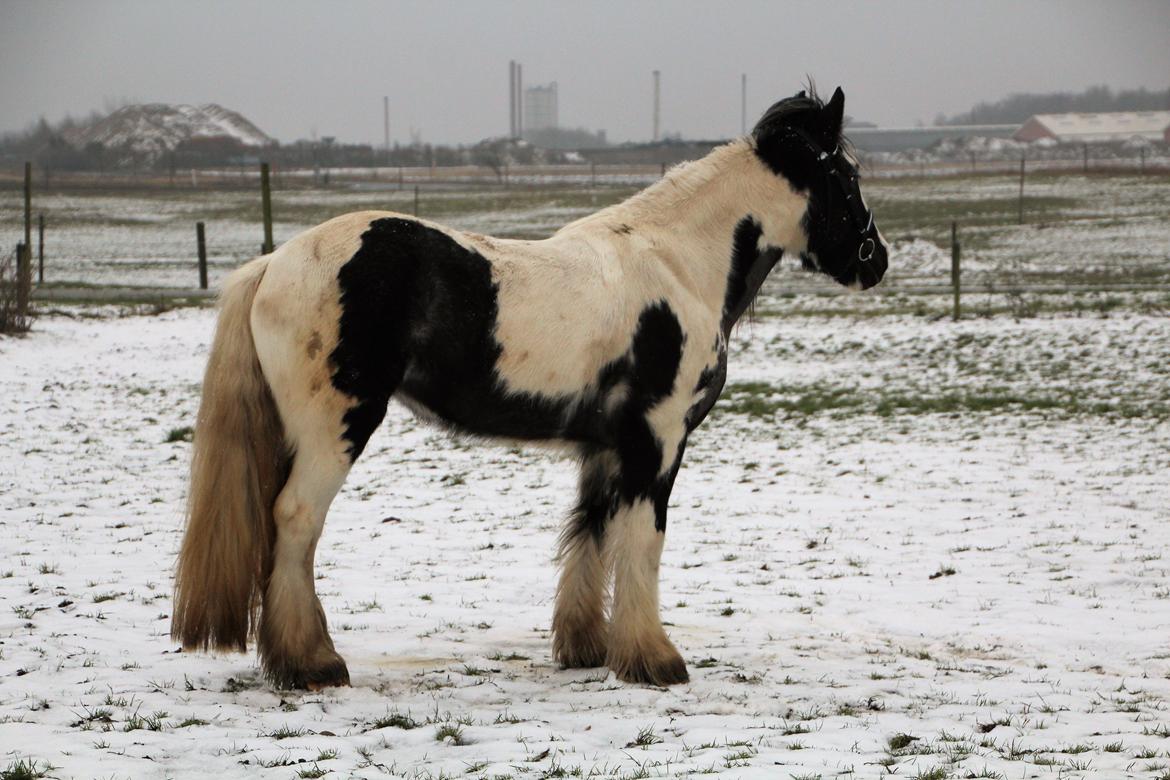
(238, 467)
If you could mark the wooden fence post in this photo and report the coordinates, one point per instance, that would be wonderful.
(416, 200)
(955, 267)
(23, 279)
(202, 245)
(1022, 159)
(593, 173)
(28, 207)
(41, 249)
(266, 202)
(1085, 151)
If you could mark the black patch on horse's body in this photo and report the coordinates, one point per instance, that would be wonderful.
(710, 384)
(419, 314)
(418, 317)
(622, 230)
(749, 268)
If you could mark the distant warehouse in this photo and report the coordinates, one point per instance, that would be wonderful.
(1097, 128)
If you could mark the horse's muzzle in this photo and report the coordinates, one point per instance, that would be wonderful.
(872, 261)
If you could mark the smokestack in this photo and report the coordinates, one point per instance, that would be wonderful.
(512, 98)
(656, 94)
(519, 100)
(743, 104)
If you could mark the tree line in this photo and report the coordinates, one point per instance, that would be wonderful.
(1018, 108)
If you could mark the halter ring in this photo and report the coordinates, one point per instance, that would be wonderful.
(865, 250)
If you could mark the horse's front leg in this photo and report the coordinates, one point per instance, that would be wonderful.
(639, 650)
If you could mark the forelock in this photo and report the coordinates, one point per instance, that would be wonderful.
(798, 111)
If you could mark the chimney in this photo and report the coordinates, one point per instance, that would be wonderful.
(656, 94)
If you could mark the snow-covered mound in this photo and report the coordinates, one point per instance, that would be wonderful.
(155, 128)
(919, 256)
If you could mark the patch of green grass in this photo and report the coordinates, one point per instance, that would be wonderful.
(286, 732)
(938, 773)
(191, 722)
(449, 731)
(26, 770)
(136, 722)
(899, 741)
(185, 433)
(645, 738)
(236, 684)
(498, 656)
(396, 720)
(759, 399)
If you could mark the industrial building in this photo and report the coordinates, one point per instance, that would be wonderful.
(540, 107)
(900, 139)
(1097, 128)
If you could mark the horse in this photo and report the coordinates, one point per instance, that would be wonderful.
(608, 337)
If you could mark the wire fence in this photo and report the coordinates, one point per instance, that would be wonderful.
(149, 239)
(1003, 158)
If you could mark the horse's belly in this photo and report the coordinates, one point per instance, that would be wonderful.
(490, 412)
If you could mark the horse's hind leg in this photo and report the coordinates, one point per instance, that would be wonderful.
(579, 629)
(295, 648)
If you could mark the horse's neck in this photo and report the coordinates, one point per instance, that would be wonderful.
(690, 217)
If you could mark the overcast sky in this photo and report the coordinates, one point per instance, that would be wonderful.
(296, 67)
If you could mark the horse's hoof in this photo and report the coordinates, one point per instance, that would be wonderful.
(333, 674)
(315, 686)
(583, 651)
(662, 671)
(581, 659)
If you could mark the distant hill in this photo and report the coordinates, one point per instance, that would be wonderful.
(1015, 109)
(153, 129)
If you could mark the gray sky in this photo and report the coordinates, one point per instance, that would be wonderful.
(297, 66)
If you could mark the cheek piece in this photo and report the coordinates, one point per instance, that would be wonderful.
(859, 215)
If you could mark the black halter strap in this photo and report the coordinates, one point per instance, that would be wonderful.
(859, 215)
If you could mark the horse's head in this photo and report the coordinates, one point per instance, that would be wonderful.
(800, 139)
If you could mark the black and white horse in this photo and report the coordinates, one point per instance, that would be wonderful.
(609, 337)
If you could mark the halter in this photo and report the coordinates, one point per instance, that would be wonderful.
(861, 216)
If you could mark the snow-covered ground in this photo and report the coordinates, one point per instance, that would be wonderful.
(898, 547)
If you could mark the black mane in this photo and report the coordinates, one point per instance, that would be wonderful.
(799, 111)
(791, 132)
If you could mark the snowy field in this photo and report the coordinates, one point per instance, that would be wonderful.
(900, 547)
(1095, 229)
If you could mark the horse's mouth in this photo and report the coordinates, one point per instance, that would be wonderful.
(870, 272)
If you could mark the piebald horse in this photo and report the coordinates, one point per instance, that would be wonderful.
(609, 337)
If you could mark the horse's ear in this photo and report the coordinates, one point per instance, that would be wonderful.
(832, 116)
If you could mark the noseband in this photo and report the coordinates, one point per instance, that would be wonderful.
(861, 216)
